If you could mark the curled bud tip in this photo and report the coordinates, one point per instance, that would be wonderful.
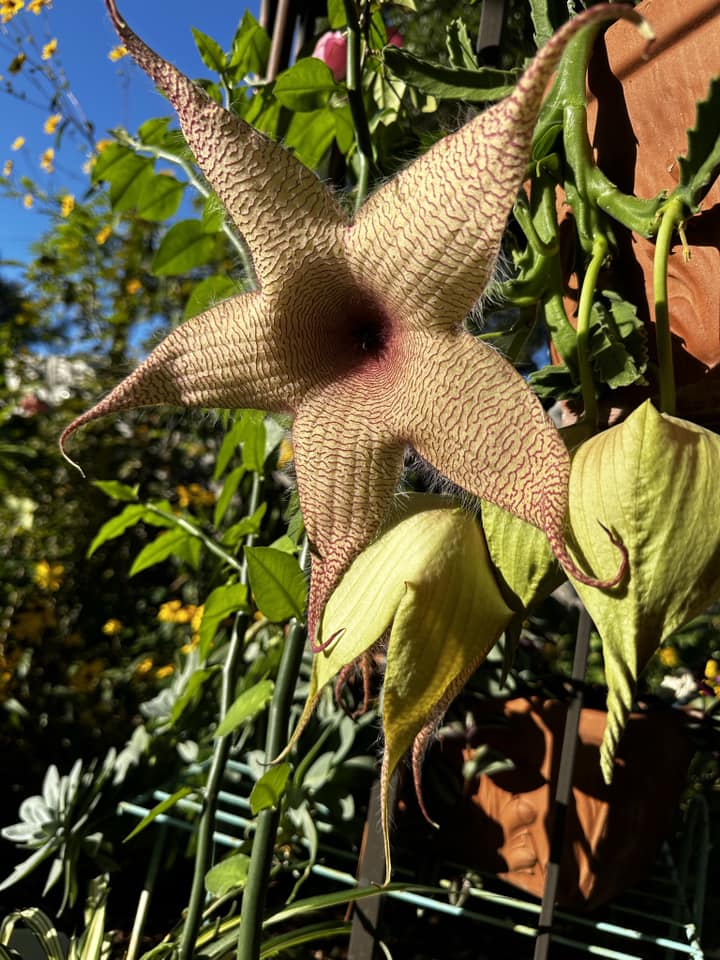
(65, 434)
(320, 647)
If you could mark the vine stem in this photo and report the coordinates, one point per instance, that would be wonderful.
(355, 99)
(253, 905)
(589, 284)
(672, 217)
(196, 532)
(217, 765)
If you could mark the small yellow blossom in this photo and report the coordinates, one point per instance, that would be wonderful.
(102, 235)
(189, 647)
(669, 657)
(118, 52)
(102, 145)
(46, 160)
(8, 9)
(7, 169)
(145, 666)
(49, 49)
(48, 576)
(133, 286)
(27, 201)
(285, 454)
(196, 618)
(168, 611)
(712, 668)
(51, 124)
(17, 143)
(35, 6)
(194, 495)
(112, 627)
(165, 671)
(67, 204)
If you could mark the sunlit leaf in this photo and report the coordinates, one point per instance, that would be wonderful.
(269, 789)
(163, 546)
(248, 705)
(278, 584)
(186, 245)
(167, 804)
(230, 874)
(306, 85)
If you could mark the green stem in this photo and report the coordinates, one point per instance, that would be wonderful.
(587, 384)
(196, 532)
(217, 767)
(237, 243)
(672, 216)
(353, 82)
(253, 905)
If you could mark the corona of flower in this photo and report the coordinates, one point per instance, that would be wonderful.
(356, 325)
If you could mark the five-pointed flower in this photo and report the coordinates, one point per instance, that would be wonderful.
(356, 324)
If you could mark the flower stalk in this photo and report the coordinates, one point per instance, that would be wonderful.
(672, 217)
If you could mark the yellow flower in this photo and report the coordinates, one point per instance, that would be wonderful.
(712, 668)
(35, 6)
(27, 201)
(112, 627)
(102, 235)
(285, 454)
(7, 169)
(168, 611)
(165, 671)
(194, 495)
(49, 49)
(51, 124)
(145, 666)
(102, 144)
(117, 53)
(17, 143)
(8, 9)
(669, 657)
(67, 204)
(197, 618)
(133, 286)
(48, 576)
(46, 160)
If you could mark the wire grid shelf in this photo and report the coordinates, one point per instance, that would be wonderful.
(660, 919)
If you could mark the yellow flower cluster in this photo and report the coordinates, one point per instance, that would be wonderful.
(9, 8)
(102, 235)
(112, 627)
(669, 657)
(117, 53)
(35, 6)
(17, 143)
(174, 611)
(49, 49)
(67, 204)
(8, 167)
(194, 495)
(146, 666)
(46, 160)
(48, 576)
(51, 124)
(28, 201)
(133, 286)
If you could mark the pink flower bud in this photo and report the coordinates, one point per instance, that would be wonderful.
(331, 48)
(395, 37)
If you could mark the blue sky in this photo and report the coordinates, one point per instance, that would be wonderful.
(111, 94)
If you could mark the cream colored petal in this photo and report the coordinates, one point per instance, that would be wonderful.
(427, 241)
(348, 466)
(221, 358)
(287, 216)
(468, 412)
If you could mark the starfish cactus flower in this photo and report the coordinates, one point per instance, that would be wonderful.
(356, 323)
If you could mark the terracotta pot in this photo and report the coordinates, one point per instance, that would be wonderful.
(501, 824)
(638, 116)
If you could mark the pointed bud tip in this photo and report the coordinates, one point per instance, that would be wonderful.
(67, 432)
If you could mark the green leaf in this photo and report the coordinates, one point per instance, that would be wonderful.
(230, 443)
(652, 481)
(310, 136)
(115, 527)
(230, 874)
(116, 490)
(125, 172)
(40, 925)
(229, 488)
(700, 167)
(450, 83)
(222, 603)
(250, 49)
(213, 214)
(311, 934)
(305, 86)
(186, 245)
(344, 128)
(159, 808)
(267, 792)
(159, 197)
(191, 692)
(248, 705)
(167, 544)
(207, 293)
(277, 583)
(547, 16)
(618, 342)
(245, 527)
(459, 46)
(210, 50)
(336, 14)
(253, 439)
(154, 132)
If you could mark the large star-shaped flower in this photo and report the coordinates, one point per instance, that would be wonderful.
(356, 325)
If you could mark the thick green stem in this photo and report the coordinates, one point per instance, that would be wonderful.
(353, 82)
(587, 384)
(672, 217)
(253, 905)
(217, 767)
